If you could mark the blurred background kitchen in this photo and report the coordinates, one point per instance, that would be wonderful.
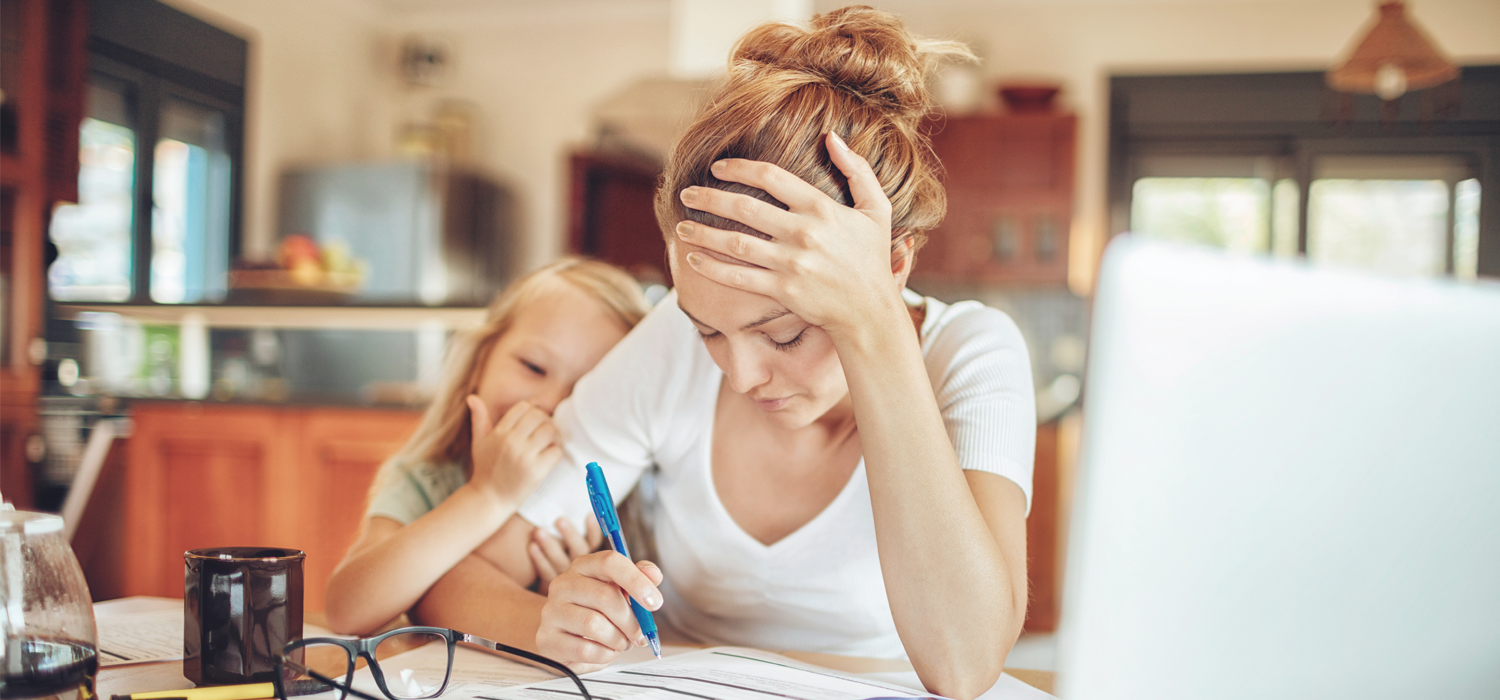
(238, 233)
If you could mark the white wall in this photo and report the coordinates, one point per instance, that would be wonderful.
(324, 84)
(536, 73)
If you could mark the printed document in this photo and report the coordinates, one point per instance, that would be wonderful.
(719, 673)
(139, 637)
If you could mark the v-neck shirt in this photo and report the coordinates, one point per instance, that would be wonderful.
(650, 404)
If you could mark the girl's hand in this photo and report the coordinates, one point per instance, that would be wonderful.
(511, 455)
(550, 555)
(587, 621)
(829, 264)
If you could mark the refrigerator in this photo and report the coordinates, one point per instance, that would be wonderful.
(430, 234)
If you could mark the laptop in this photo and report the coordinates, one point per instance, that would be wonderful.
(1289, 484)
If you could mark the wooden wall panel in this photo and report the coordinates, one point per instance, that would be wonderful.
(207, 476)
(215, 497)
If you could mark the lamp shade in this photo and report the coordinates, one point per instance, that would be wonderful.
(1393, 57)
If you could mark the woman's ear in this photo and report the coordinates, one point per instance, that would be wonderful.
(903, 256)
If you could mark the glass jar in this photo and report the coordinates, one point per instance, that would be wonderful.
(46, 614)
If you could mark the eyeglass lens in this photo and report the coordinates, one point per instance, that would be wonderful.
(412, 676)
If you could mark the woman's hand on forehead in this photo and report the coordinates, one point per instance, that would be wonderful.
(827, 263)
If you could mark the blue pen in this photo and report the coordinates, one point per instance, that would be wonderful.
(609, 523)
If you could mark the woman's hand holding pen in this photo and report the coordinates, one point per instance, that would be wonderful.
(829, 264)
(587, 620)
(511, 455)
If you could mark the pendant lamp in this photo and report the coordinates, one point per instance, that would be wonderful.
(1394, 57)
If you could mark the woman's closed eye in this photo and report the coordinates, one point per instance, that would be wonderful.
(535, 368)
(788, 345)
(779, 345)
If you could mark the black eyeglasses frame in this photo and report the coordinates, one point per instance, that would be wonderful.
(365, 648)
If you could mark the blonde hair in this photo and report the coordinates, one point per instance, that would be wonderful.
(856, 72)
(444, 435)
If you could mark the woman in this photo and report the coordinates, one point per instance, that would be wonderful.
(843, 467)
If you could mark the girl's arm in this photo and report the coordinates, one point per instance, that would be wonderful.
(952, 545)
(390, 567)
(477, 597)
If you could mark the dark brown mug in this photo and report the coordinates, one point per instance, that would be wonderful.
(241, 605)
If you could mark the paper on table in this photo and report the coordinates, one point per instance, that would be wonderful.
(727, 673)
(721, 673)
(1008, 687)
(139, 637)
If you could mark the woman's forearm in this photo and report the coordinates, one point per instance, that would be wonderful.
(957, 595)
(384, 578)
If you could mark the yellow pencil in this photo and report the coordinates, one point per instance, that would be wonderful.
(249, 691)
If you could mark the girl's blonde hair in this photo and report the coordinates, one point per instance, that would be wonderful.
(855, 71)
(444, 434)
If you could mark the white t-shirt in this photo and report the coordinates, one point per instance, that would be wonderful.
(651, 401)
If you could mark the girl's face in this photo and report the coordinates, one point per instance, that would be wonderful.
(552, 341)
(786, 366)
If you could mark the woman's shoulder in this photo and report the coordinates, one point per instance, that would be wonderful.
(967, 329)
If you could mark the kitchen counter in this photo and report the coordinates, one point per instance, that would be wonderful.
(289, 317)
(352, 355)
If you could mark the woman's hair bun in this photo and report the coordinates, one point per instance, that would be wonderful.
(855, 72)
(856, 48)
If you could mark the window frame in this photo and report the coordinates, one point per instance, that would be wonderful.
(1281, 116)
(146, 95)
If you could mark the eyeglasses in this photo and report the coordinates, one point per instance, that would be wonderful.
(315, 664)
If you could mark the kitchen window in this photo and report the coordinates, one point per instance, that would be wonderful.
(1403, 214)
(1248, 163)
(159, 151)
(1240, 203)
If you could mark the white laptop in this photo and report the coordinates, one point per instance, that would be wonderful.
(1290, 485)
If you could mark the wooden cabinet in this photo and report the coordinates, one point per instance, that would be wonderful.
(339, 452)
(41, 73)
(208, 476)
(1042, 529)
(612, 213)
(1009, 180)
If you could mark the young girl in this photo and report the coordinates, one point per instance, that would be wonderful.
(484, 443)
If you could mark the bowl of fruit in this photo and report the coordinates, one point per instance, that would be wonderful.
(302, 274)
